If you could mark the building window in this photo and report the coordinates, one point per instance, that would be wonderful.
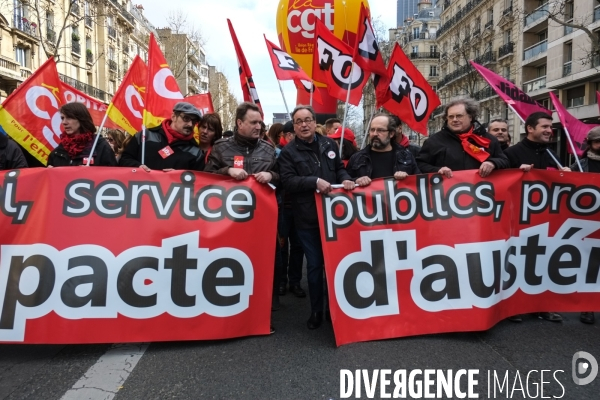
(507, 36)
(21, 56)
(415, 49)
(576, 96)
(111, 53)
(433, 49)
(433, 70)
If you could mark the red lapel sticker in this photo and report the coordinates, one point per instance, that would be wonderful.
(166, 151)
(238, 161)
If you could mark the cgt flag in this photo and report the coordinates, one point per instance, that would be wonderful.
(412, 98)
(162, 89)
(248, 88)
(575, 128)
(96, 108)
(30, 114)
(515, 98)
(128, 102)
(332, 65)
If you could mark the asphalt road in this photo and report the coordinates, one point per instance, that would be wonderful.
(296, 363)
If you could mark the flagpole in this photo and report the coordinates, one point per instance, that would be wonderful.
(573, 148)
(364, 143)
(97, 137)
(143, 144)
(346, 107)
(312, 89)
(283, 97)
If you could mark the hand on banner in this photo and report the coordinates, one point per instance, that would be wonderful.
(363, 181)
(145, 168)
(486, 168)
(399, 175)
(349, 185)
(237, 173)
(263, 177)
(565, 169)
(323, 186)
(168, 169)
(447, 172)
(526, 167)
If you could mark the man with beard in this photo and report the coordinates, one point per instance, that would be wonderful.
(590, 163)
(462, 144)
(499, 128)
(170, 145)
(383, 157)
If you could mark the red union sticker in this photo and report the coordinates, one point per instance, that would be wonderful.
(85, 161)
(238, 161)
(331, 154)
(166, 151)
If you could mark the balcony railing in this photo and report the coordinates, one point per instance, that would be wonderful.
(112, 65)
(507, 11)
(23, 24)
(567, 68)
(50, 35)
(431, 54)
(535, 50)
(463, 12)
(536, 84)
(540, 12)
(506, 49)
(485, 58)
(476, 31)
(421, 36)
(9, 65)
(84, 87)
(596, 13)
(124, 12)
(25, 73)
(446, 3)
(489, 24)
(484, 93)
(112, 32)
(75, 46)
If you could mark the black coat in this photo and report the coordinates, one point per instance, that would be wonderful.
(444, 149)
(103, 156)
(585, 164)
(186, 153)
(300, 167)
(360, 163)
(528, 152)
(11, 156)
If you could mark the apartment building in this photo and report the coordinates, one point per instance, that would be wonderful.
(224, 102)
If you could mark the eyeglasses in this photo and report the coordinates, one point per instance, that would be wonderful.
(379, 131)
(458, 116)
(303, 121)
(187, 118)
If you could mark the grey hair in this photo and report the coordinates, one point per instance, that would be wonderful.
(471, 106)
(303, 107)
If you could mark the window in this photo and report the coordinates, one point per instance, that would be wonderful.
(541, 71)
(507, 73)
(415, 49)
(111, 87)
(490, 14)
(433, 70)
(433, 49)
(575, 96)
(568, 52)
(111, 53)
(416, 32)
(507, 36)
(543, 35)
(20, 12)
(21, 56)
(88, 43)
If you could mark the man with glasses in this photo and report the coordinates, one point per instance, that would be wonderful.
(311, 162)
(170, 145)
(461, 144)
(383, 157)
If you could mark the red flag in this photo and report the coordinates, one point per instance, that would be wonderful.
(518, 100)
(368, 56)
(332, 65)
(285, 67)
(309, 86)
(412, 98)
(30, 114)
(162, 89)
(248, 88)
(202, 102)
(96, 108)
(128, 102)
(575, 128)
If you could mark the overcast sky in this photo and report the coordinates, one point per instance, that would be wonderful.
(251, 19)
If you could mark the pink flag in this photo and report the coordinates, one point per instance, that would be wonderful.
(575, 128)
(518, 100)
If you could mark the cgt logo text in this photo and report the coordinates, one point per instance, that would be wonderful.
(464, 383)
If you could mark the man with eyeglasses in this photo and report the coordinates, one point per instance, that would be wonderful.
(311, 162)
(383, 157)
(170, 145)
(462, 144)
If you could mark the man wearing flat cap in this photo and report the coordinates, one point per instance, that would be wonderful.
(170, 145)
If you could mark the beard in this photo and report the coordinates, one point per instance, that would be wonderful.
(380, 144)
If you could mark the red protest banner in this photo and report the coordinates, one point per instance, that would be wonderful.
(152, 257)
(430, 255)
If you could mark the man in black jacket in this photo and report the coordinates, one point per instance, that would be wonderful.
(383, 157)
(11, 156)
(311, 162)
(461, 144)
(170, 145)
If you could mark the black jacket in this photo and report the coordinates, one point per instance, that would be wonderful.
(414, 150)
(258, 156)
(528, 152)
(360, 163)
(103, 156)
(300, 167)
(444, 149)
(186, 153)
(11, 156)
(585, 164)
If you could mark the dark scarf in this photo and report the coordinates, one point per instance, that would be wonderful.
(74, 144)
(244, 141)
(476, 152)
(173, 135)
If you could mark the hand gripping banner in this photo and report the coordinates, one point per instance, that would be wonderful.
(430, 255)
(118, 255)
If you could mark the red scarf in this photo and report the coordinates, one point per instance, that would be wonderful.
(404, 142)
(282, 141)
(173, 135)
(74, 144)
(477, 153)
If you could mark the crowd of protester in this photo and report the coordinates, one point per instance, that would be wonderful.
(302, 156)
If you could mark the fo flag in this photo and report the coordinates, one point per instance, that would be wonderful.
(248, 88)
(128, 102)
(332, 65)
(412, 98)
(285, 67)
(30, 114)
(368, 56)
(573, 127)
(515, 98)
(162, 89)
(96, 108)
(308, 87)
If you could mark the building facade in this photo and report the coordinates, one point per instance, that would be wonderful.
(405, 9)
(224, 102)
